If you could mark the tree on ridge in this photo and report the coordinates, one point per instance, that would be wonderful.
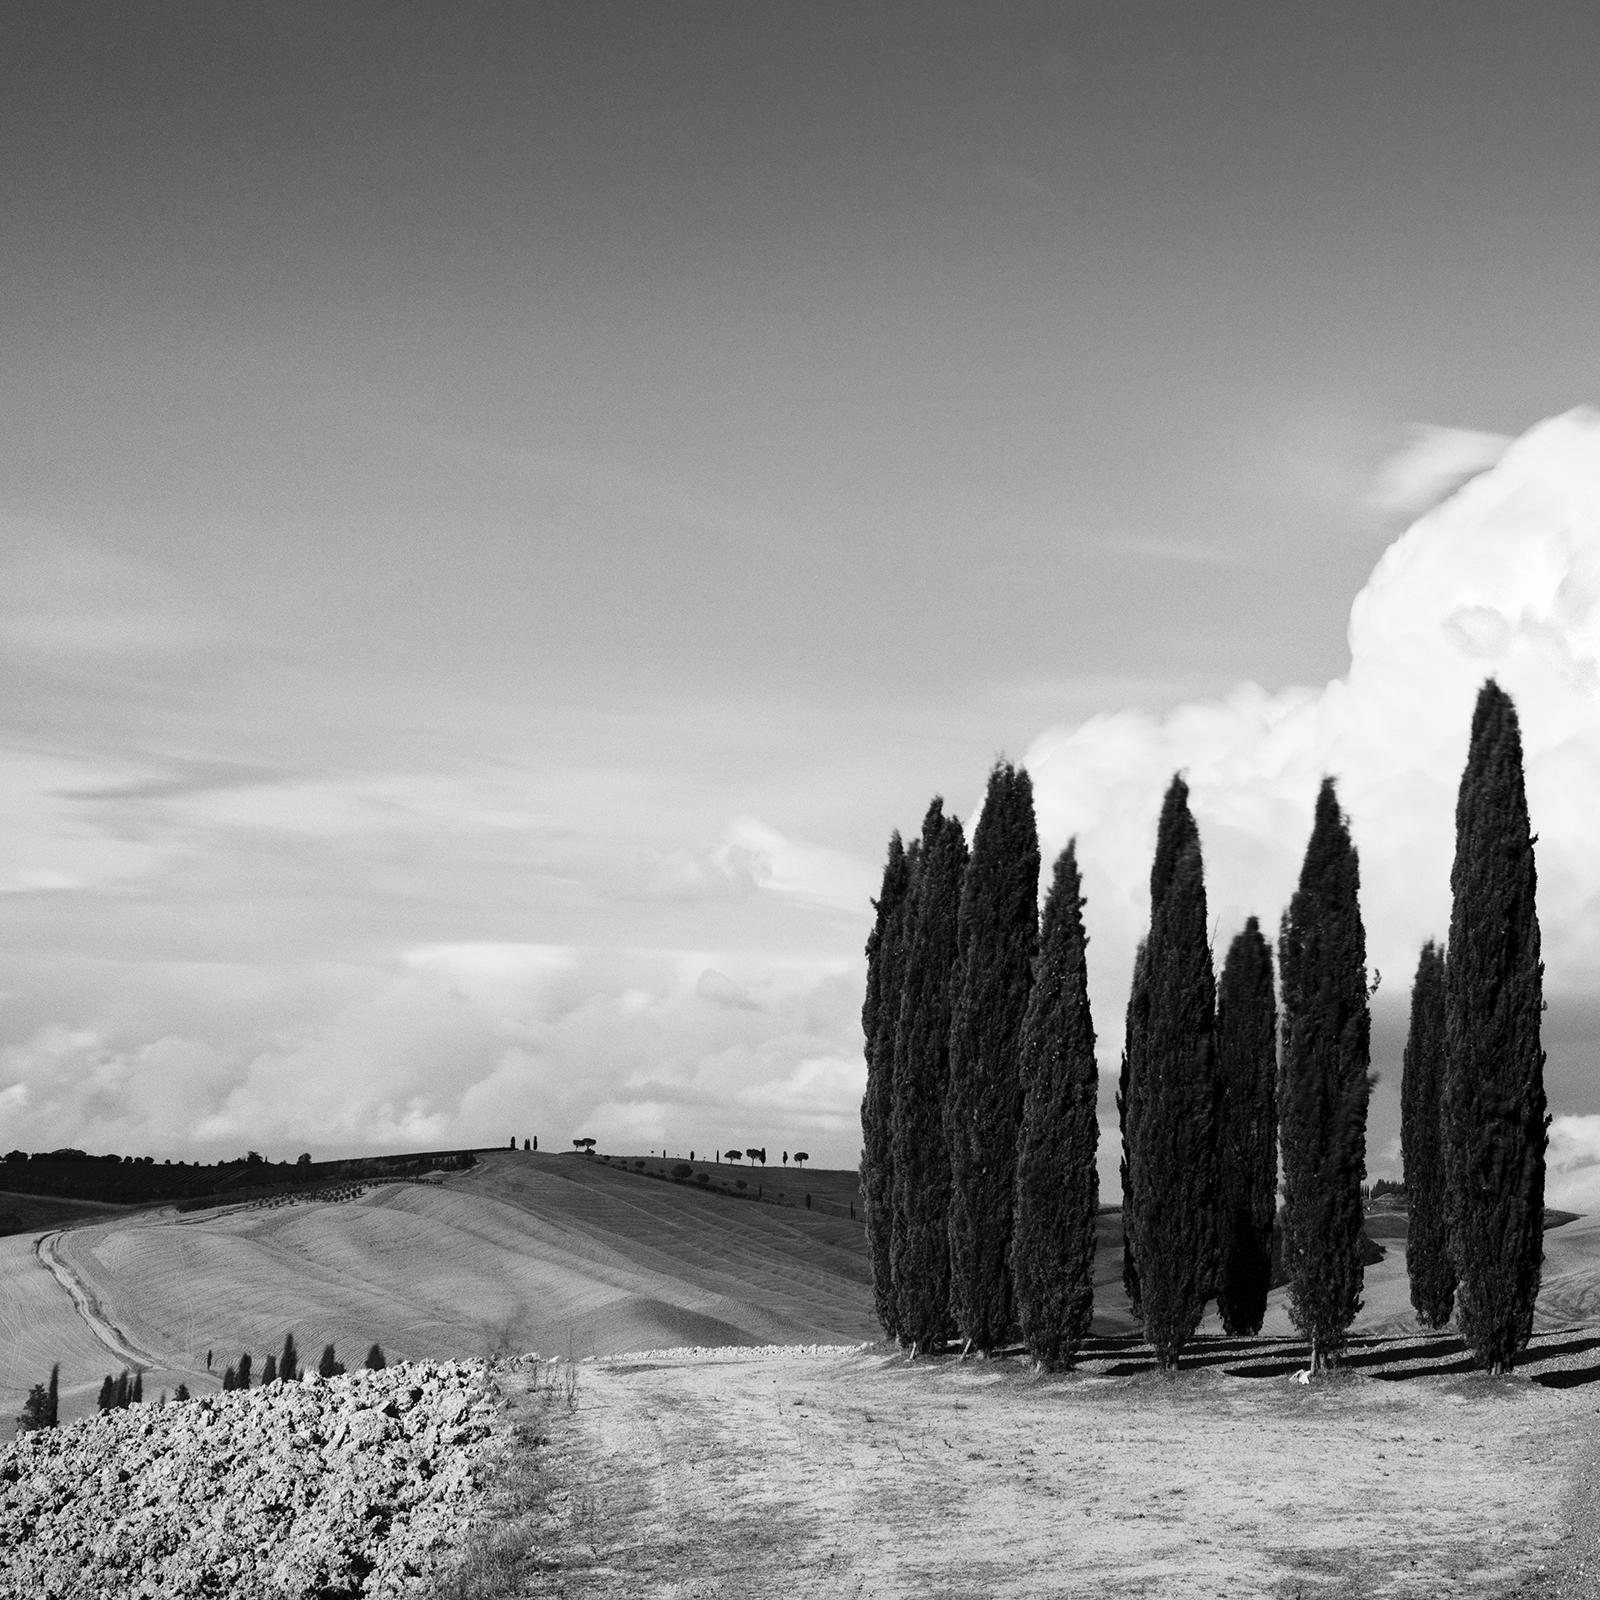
(1495, 1124)
(996, 939)
(1052, 1242)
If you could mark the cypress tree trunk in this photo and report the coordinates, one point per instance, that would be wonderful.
(1052, 1245)
(1422, 1086)
(1247, 1144)
(880, 1015)
(1495, 1125)
(919, 1246)
(1322, 954)
(997, 937)
(1172, 1093)
(1134, 1030)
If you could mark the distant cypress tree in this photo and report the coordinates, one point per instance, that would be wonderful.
(880, 1015)
(108, 1394)
(375, 1361)
(920, 1241)
(1495, 1126)
(120, 1396)
(136, 1392)
(1133, 1046)
(53, 1396)
(1173, 1085)
(1422, 1083)
(1052, 1244)
(329, 1366)
(181, 1392)
(230, 1380)
(997, 938)
(269, 1370)
(35, 1410)
(289, 1361)
(1247, 1135)
(1324, 1084)
(243, 1371)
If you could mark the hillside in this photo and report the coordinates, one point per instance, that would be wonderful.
(545, 1252)
(525, 1252)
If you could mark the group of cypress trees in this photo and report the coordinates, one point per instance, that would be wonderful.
(978, 1121)
(979, 1128)
(1474, 1125)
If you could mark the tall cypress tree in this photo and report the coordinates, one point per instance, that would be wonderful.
(997, 938)
(1052, 1245)
(919, 1248)
(1172, 1136)
(1247, 1135)
(1422, 1084)
(880, 1015)
(1127, 1114)
(1495, 1125)
(53, 1396)
(1324, 1087)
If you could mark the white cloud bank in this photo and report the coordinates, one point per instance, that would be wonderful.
(1501, 578)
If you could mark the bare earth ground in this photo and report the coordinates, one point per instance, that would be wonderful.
(837, 1473)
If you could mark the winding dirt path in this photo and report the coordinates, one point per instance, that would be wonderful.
(88, 1308)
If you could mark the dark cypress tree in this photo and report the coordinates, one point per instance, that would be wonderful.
(375, 1361)
(1172, 1154)
(1132, 1050)
(1247, 1134)
(880, 1014)
(108, 1394)
(1495, 1127)
(1324, 1085)
(136, 1392)
(242, 1378)
(230, 1379)
(269, 1370)
(53, 1396)
(1052, 1245)
(329, 1366)
(919, 1240)
(181, 1392)
(1422, 1083)
(289, 1361)
(120, 1396)
(997, 938)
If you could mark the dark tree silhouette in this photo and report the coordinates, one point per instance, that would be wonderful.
(880, 1013)
(997, 937)
(1422, 1084)
(1052, 1243)
(920, 1240)
(269, 1370)
(35, 1410)
(107, 1400)
(1247, 1142)
(242, 1372)
(53, 1395)
(1322, 955)
(1172, 1134)
(329, 1366)
(800, 1158)
(289, 1361)
(1495, 1126)
(181, 1392)
(1133, 1047)
(375, 1361)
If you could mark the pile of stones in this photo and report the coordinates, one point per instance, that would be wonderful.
(358, 1485)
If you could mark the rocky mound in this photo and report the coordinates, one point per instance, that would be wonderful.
(348, 1486)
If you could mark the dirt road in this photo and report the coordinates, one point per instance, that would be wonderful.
(835, 1473)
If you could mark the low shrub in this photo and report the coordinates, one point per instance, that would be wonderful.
(682, 1170)
(702, 1177)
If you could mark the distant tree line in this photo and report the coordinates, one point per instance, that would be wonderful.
(140, 1180)
(978, 1121)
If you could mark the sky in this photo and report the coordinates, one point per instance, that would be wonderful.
(505, 509)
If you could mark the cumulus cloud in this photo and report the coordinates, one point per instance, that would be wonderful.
(1503, 579)
(1572, 1163)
